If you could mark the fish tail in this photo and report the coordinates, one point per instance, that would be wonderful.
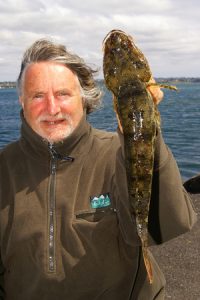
(147, 263)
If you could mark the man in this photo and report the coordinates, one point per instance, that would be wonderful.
(66, 228)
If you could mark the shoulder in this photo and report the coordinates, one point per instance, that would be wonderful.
(9, 154)
(104, 138)
(9, 148)
(106, 144)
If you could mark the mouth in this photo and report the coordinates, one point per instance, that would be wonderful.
(54, 122)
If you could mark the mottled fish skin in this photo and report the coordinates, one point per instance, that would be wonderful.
(128, 62)
(126, 72)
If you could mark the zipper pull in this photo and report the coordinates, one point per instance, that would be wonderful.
(57, 156)
(68, 158)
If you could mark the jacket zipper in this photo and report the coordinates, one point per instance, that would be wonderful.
(55, 156)
(52, 218)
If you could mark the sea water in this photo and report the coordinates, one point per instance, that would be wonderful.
(180, 113)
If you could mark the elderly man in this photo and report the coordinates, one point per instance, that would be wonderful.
(66, 227)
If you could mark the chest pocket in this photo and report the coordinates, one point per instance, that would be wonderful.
(95, 215)
(100, 207)
(97, 229)
(97, 222)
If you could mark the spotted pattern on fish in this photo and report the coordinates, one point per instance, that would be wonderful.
(126, 75)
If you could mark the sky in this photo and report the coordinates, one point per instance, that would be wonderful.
(167, 31)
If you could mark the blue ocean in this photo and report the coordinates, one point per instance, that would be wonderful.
(180, 113)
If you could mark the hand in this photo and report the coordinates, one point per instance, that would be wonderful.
(155, 92)
(119, 123)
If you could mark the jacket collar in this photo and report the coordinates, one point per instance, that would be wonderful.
(34, 145)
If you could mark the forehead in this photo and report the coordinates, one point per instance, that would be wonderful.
(44, 73)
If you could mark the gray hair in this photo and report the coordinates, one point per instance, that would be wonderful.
(46, 50)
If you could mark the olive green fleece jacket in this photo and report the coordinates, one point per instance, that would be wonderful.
(65, 226)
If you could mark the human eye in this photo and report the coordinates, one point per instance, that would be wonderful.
(63, 94)
(38, 96)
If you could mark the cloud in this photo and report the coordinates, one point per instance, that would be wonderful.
(127, 6)
(167, 31)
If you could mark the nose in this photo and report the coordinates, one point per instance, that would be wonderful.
(53, 106)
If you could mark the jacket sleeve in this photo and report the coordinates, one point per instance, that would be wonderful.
(171, 211)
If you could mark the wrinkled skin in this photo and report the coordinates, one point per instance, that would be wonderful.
(126, 74)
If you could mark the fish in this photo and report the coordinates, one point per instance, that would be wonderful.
(127, 75)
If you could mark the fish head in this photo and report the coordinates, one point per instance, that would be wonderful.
(116, 38)
(122, 60)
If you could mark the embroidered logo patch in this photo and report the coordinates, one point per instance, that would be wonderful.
(100, 201)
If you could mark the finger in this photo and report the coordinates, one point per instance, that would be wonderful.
(156, 93)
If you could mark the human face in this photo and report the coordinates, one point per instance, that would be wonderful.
(51, 100)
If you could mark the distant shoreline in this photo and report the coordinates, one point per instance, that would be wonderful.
(179, 79)
(12, 84)
(7, 85)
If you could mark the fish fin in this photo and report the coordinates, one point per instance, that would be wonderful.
(147, 263)
(165, 86)
(115, 107)
(170, 87)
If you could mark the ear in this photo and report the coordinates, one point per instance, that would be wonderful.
(83, 102)
(21, 102)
